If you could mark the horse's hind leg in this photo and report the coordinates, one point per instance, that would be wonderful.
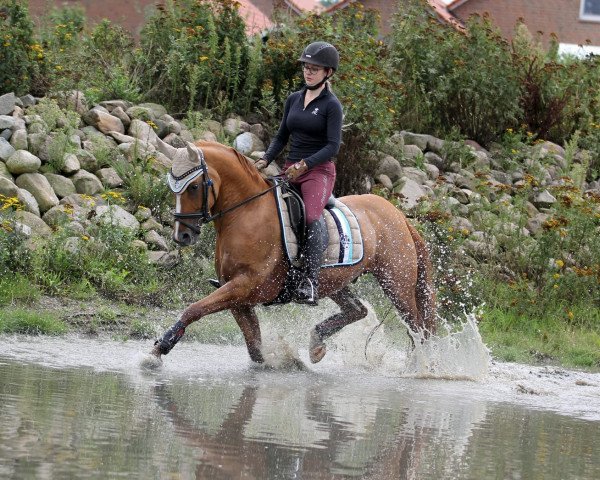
(401, 291)
(248, 322)
(352, 310)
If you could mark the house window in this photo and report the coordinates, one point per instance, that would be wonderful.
(590, 10)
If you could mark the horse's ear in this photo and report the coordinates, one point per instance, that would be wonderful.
(195, 155)
(165, 148)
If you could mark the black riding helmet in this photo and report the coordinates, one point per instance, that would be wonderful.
(321, 53)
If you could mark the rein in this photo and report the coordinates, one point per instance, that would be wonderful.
(204, 216)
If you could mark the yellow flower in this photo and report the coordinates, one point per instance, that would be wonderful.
(570, 314)
(556, 276)
(559, 263)
(58, 67)
(555, 286)
(203, 59)
(85, 237)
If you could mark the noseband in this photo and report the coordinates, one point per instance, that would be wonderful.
(180, 183)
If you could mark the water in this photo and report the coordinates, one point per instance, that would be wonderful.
(81, 408)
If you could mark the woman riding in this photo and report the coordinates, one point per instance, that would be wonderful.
(312, 117)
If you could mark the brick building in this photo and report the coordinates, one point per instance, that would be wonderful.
(574, 22)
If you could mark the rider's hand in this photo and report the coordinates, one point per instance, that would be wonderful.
(261, 164)
(297, 169)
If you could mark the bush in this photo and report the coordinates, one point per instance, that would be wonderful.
(450, 78)
(21, 57)
(194, 54)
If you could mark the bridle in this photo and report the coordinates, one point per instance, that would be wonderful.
(179, 184)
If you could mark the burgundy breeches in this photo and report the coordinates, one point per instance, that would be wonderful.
(316, 186)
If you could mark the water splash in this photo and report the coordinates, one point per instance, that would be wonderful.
(459, 355)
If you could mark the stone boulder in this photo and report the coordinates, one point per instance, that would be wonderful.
(116, 216)
(86, 182)
(8, 101)
(247, 143)
(391, 167)
(66, 213)
(37, 225)
(6, 149)
(62, 186)
(29, 202)
(104, 122)
(39, 187)
(23, 162)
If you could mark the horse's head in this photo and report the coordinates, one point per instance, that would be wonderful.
(194, 190)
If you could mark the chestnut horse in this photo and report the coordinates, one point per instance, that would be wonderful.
(213, 182)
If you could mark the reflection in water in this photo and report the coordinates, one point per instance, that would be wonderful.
(251, 423)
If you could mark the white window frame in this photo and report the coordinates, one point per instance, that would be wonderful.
(588, 17)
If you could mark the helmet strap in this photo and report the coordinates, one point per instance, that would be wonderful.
(318, 85)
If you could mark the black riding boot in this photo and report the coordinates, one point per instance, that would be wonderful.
(307, 291)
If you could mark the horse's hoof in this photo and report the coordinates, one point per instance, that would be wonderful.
(317, 348)
(151, 361)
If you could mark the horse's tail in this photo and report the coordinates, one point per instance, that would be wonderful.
(425, 293)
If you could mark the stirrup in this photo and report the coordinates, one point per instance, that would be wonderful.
(306, 293)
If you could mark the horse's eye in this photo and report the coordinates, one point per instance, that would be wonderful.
(194, 186)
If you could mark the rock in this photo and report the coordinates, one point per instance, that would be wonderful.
(140, 113)
(214, 126)
(8, 102)
(415, 174)
(104, 122)
(6, 134)
(142, 214)
(29, 202)
(111, 105)
(66, 213)
(156, 109)
(164, 259)
(248, 142)
(121, 115)
(478, 250)
(37, 225)
(82, 200)
(235, 126)
(411, 193)
(39, 187)
(62, 186)
(8, 188)
(415, 139)
(151, 224)
(391, 167)
(73, 100)
(535, 224)
(121, 138)
(7, 122)
(434, 159)
(260, 131)
(109, 177)
(143, 131)
(207, 136)
(549, 148)
(173, 127)
(70, 164)
(139, 245)
(543, 199)
(385, 181)
(174, 140)
(87, 160)
(6, 149)
(152, 238)
(116, 216)
(86, 183)
(28, 100)
(432, 171)
(410, 153)
(23, 162)
(18, 140)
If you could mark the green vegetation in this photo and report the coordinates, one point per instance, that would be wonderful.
(25, 322)
(540, 296)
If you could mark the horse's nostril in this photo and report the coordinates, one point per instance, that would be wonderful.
(183, 238)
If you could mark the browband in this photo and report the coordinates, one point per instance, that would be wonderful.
(179, 184)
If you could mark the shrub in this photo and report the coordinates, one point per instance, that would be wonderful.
(450, 78)
(21, 57)
(194, 53)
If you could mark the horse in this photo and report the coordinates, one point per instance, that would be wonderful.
(213, 182)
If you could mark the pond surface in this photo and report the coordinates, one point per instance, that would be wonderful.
(82, 408)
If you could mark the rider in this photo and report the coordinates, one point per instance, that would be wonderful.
(313, 119)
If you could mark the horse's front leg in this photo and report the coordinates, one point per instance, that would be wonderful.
(229, 296)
